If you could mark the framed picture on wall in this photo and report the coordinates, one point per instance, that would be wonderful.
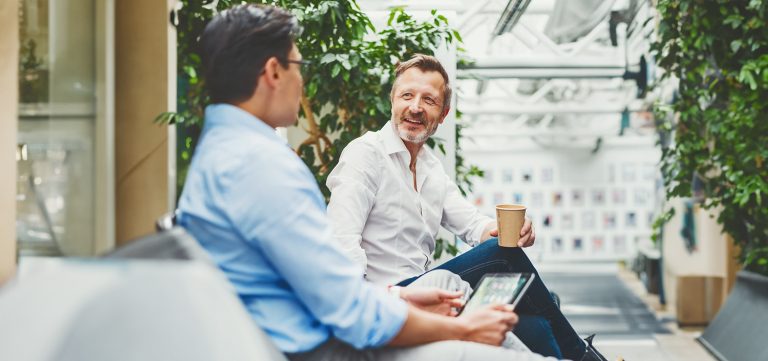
(507, 176)
(488, 176)
(517, 198)
(598, 244)
(537, 199)
(547, 175)
(557, 199)
(527, 175)
(588, 220)
(567, 221)
(478, 200)
(577, 196)
(598, 197)
(620, 244)
(557, 245)
(578, 244)
(642, 196)
(547, 221)
(631, 220)
(619, 196)
(609, 220)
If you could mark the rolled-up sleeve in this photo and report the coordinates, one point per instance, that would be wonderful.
(296, 239)
(462, 218)
(353, 184)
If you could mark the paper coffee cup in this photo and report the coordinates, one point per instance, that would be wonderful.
(510, 219)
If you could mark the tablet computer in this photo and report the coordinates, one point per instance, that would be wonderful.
(503, 288)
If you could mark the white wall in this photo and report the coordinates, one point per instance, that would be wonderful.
(622, 171)
(708, 258)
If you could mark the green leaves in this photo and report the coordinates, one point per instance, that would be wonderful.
(718, 50)
(347, 88)
(659, 222)
(444, 245)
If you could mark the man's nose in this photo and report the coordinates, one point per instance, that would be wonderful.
(415, 105)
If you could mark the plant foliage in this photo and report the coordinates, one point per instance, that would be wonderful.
(718, 51)
(346, 88)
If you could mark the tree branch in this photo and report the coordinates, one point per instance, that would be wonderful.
(314, 132)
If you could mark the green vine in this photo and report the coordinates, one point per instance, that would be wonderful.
(718, 51)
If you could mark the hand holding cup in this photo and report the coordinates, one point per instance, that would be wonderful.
(511, 223)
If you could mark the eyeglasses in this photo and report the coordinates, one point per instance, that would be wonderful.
(303, 64)
(300, 62)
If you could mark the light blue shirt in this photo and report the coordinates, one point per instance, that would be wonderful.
(255, 206)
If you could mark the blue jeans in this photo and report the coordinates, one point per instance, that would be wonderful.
(558, 339)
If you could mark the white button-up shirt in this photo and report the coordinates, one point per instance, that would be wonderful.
(381, 221)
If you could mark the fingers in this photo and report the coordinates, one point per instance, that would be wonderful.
(511, 320)
(502, 307)
(456, 303)
(453, 299)
(532, 239)
(442, 309)
(527, 236)
(508, 316)
(448, 295)
(491, 323)
(526, 241)
(526, 227)
(494, 233)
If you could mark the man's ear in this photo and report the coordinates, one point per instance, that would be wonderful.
(445, 114)
(271, 74)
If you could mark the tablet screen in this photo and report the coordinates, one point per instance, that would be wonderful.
(499, 288)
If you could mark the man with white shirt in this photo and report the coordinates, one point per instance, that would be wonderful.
(390, 195)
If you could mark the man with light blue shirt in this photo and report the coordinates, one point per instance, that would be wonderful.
(255, 207)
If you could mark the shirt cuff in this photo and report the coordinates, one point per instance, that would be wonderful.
(397, 310)
(480, 230)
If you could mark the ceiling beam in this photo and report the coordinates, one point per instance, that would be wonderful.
(531, 109)
(542, 73)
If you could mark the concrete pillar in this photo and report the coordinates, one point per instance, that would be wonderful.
(145, 77)
(9, 101)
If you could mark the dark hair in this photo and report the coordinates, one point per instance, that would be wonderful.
(425, 63)
(237, 43)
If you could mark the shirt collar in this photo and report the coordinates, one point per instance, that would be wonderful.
(392, 141)
(394, 144)
(232, 117)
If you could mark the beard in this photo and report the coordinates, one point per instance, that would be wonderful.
(420, 137)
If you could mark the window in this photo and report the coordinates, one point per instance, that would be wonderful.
(57, 128)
